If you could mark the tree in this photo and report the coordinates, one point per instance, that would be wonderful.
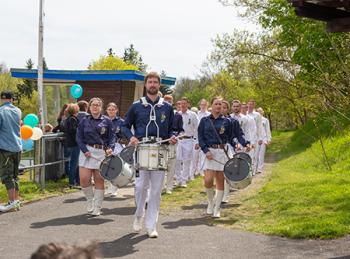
(110, 52)
(132, 56)
(27, 88)
(110, 63)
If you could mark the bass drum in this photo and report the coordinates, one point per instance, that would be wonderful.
(115, 170)
(237, 172)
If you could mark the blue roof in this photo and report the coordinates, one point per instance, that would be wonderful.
(86, 75)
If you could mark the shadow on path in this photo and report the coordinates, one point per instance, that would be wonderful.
(190, 222)
(84, 219)
(122, 246)
(124, 211)
(80, 199)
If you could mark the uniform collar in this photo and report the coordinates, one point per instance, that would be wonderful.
(99, 117)
(150, 101)
(186, 112)
(212, 117)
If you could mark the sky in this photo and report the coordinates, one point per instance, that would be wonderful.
(174, 36)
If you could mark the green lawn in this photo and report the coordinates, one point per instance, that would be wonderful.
(300, 199)
(30, 191)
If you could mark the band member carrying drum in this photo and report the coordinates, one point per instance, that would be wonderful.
(214, 132)
(112, 112)
(150, 108)
(95, 138)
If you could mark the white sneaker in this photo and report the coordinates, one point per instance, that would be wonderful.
(90, 205)
(152, 233)
(183, 185)
(98, 198)
(112, 190)
(216, 214)
(137, 226)
(11, 205)
(210, 209)
(169, 192)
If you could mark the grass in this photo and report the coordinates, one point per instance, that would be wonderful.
(182, 197)
(301, 198)
(30, 191)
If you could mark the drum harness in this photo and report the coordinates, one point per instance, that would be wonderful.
(218, 136)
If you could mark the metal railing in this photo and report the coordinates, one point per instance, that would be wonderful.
(43, 151)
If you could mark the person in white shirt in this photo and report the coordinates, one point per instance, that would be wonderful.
(259, 132)
(266, 140)
(249, 131)
(198, 155)
(186, 144)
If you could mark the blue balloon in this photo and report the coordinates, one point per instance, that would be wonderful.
(31, 120)
(27, 144)
(76, 91)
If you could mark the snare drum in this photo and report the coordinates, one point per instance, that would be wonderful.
(152, 157)
(171, 151)
(115, 170)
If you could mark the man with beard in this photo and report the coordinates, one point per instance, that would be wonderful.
(151, 110)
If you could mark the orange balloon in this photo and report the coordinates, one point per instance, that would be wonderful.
(26, 132)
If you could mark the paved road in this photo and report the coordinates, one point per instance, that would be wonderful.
(185, 235)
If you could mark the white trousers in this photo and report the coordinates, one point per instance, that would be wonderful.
(261, 157)
(194, 162)
(169, 182)
(148, 184)
(184, 155)
(254, 155)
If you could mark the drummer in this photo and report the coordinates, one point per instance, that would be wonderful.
(95, 138)
(112, 112)
(239, 141)
(138, 116)
(214, 133)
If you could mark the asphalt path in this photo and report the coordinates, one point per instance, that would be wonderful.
(181, 234)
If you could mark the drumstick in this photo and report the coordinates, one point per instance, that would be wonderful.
(166, 140)
(216, 161)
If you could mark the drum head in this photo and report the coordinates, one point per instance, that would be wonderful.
(236, 169)
(127, 154)
(244, 156)
(111, 167)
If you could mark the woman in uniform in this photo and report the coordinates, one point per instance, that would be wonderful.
(112, 112)
(96, 139)
(214, 133)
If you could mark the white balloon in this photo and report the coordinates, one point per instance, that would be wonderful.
(37, 133)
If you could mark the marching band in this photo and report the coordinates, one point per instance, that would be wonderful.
(166, 147)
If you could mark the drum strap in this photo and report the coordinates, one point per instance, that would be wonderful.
(145, 103)
(218, 136)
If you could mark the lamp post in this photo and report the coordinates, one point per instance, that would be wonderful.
(42, 112)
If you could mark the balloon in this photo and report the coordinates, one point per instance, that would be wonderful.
(76, 91)
(27, 144)
(26, 132)
(37, 133)
(31, 120)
